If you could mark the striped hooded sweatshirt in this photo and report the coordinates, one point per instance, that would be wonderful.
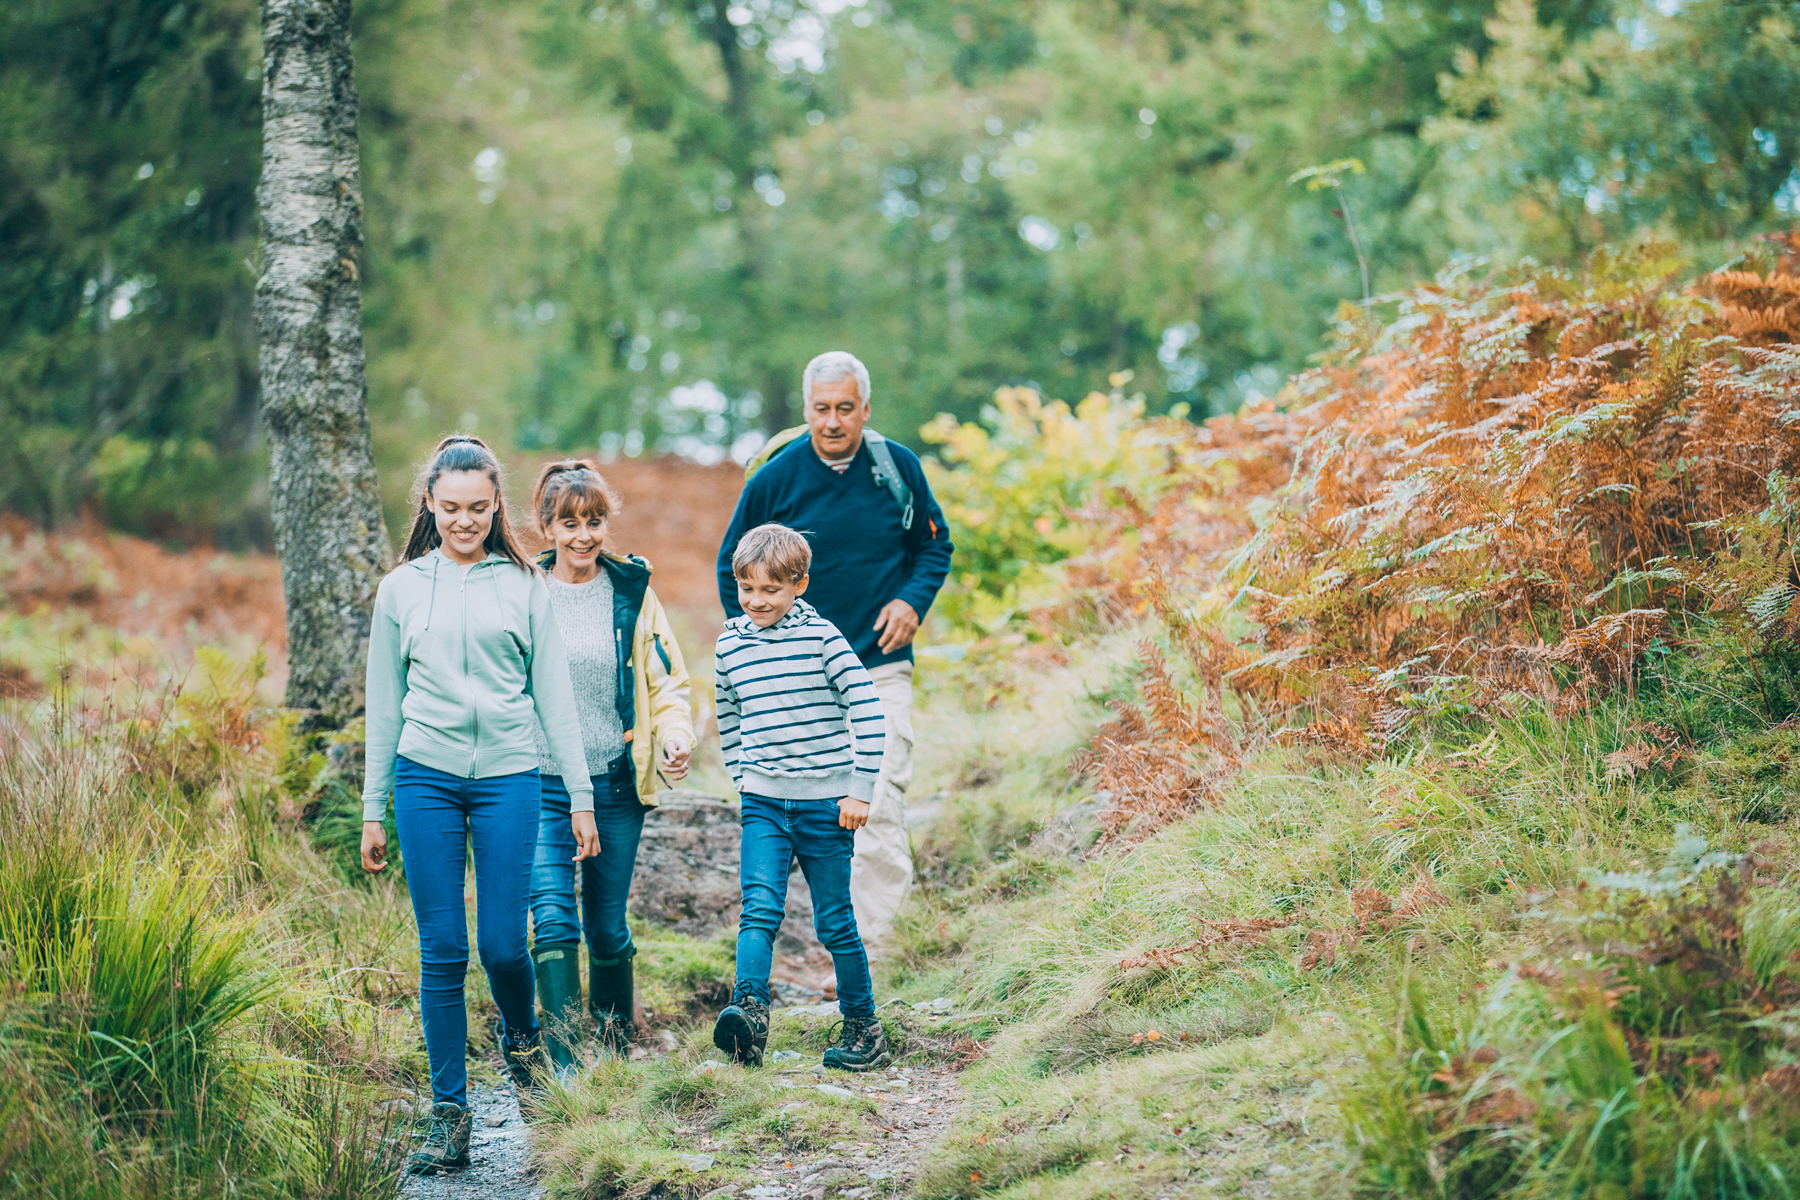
(798, 717)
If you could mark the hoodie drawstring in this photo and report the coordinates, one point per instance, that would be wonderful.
(505, 620)
(431, 604)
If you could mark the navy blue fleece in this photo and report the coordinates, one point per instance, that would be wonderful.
(861, 557)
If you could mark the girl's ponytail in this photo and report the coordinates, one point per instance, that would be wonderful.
(461, 452)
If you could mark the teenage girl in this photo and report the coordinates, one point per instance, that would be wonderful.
(631, 702)
(465, 662)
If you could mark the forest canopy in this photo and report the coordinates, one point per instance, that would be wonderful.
(629, 224)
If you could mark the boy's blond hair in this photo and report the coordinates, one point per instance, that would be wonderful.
(782, 554)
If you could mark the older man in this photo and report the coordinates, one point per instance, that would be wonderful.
(880, 554)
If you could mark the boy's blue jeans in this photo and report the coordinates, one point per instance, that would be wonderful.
(605, 881)
(437, 815)
(776, 832)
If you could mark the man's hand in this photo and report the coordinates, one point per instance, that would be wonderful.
(897, 623)
(587, 836)
(852, 813)
(374, 846)
(675, 754)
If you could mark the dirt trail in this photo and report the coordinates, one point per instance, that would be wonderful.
(498, 1151)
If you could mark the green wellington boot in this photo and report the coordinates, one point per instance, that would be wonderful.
(610, 1000)
(558, 966)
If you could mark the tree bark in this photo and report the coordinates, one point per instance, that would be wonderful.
(322, 496)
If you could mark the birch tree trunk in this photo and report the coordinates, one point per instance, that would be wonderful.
(326, 511)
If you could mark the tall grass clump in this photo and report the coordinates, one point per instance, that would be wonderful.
(163, 1028)
(1647, 1051)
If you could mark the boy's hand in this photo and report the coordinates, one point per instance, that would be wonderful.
(374, 846)
(675, 753)
(587, 836)
(852, 813)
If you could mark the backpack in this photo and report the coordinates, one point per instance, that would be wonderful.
(887, 475)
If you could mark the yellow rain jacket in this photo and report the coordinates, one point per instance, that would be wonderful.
(653, 681)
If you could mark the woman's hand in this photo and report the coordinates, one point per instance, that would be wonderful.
(675, 754)
(374, 846)
(587, 836)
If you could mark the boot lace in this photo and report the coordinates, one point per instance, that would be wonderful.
(437, 1134)
(850, 1032)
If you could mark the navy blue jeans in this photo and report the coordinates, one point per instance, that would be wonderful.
(437, 815)
(605, 881)
(776, 832)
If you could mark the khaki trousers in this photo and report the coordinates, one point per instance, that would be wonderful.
(881, 872)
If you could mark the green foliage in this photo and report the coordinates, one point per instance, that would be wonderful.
(574, 211)
(128, 157)
(1550, 126)
(1019, 489)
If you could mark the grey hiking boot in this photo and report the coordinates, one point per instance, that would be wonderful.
(861, 1046)
(526, 1063)
(446, 1146)
(743, 1028)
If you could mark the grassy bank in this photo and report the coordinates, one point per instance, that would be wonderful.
(1420, 975)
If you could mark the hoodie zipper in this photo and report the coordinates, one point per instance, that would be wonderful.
(474, 709)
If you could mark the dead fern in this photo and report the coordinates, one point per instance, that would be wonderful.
(1146, 762)
(1513, 492)
(1212, 933)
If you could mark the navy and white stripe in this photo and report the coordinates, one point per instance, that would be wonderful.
(798, 717)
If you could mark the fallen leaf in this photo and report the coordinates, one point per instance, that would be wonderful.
(974, 1176)
(1152, 1035)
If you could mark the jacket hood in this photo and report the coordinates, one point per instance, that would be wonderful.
(792, 620)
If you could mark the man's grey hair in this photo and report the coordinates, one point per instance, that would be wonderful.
(832, 366)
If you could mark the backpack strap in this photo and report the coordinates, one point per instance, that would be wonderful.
(771, 448)
(888, 476)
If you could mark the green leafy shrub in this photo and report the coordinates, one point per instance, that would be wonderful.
(1016, 489)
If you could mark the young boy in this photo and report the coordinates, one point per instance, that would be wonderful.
(801, 727)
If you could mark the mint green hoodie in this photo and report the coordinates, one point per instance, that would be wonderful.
(464, 662)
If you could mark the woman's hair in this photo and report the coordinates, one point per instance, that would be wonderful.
(461, 452)
(573, 487)
(783, 554)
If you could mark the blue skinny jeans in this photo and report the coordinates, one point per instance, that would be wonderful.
(605, 881)
(776, 832)
(437, 815)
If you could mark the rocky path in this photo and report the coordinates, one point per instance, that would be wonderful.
(497, 1155)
